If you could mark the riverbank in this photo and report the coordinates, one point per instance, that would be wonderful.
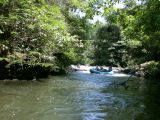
(27, 70)
(86, 68)
(148, 70)
(23, 71)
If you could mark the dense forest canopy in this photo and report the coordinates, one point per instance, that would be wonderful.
(130, 35)
(138, 22)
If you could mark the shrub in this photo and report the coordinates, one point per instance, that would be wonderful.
(152, 71)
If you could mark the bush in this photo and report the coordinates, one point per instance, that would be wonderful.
(152, 71)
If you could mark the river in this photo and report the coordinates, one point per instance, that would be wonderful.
(79, 96)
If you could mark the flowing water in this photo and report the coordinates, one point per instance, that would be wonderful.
(79, 96)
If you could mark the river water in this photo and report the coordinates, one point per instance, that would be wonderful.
(79, 96)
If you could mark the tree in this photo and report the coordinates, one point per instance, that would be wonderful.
(106, 52)
(149, 21)
(35, 26)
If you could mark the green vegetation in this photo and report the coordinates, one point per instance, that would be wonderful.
(131, 36)
(34, 33)
(153, 71)
(53, 34)
(106, 45)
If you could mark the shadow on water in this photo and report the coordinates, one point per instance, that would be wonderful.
(151, 102)
(79, 96)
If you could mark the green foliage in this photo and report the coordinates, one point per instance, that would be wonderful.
(48, 66)
(37, 29)
(108, 47)
(139, 29)
(151, 16)
(35, 54)
(149, 21)
(5, 59)
(41, 30)
(152, 71)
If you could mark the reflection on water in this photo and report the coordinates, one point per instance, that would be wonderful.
(78, 96)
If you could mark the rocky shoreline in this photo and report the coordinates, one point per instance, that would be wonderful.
(137, 72)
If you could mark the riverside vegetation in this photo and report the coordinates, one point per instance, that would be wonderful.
(34, 39)
(42, 37)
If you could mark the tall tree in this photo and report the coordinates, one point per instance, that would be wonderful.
(105, 49)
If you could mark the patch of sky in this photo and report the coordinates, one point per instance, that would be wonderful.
(79, 13)
(99, 17)
(119, 5)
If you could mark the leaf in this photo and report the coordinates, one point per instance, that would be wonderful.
(1, 32)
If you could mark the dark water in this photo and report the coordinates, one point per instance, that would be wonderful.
(79, 96)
